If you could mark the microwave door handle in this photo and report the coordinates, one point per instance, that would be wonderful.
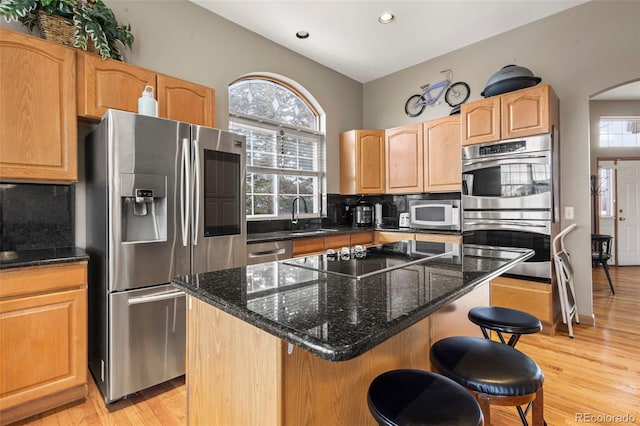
(196, 193)
(184, 188)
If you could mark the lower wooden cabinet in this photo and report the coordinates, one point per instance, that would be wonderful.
(306, 246)
(539, 299)
(391, 237)
(43, 338)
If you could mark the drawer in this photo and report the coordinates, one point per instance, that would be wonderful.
(308, 245)
(362, 238)
(337, 241)
(42, 279)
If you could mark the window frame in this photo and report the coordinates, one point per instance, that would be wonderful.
(618, 136)
(318, 174)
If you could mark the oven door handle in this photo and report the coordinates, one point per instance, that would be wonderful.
(489, 162)
(507, 225)
(507, 222)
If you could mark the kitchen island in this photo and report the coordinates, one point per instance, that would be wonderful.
(290, 343)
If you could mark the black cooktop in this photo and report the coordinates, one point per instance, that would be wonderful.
(358, 263)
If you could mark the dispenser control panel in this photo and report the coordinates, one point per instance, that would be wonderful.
(144, 195)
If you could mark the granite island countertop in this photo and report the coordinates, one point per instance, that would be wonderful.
(338, 318)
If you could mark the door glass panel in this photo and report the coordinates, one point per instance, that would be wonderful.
(222, 198)
(508, 180)
(541, 244)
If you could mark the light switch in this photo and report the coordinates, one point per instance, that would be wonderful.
(568, 212)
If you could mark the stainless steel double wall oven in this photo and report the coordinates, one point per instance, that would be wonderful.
(509, 199)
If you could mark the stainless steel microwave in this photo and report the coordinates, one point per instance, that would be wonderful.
(435, 214)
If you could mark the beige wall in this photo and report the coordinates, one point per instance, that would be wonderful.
(599, 109)
(580, 52)
(179, 38)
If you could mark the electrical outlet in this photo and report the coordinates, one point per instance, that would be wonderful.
(568, 212)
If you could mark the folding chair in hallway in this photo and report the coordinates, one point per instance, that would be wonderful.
(564, 273)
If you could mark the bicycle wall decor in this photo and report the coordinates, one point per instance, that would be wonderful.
(454, 94)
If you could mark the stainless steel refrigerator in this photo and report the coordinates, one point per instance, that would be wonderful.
(164, 198)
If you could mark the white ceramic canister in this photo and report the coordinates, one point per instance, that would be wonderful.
(147, 105)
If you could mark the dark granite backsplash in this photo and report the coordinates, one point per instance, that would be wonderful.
(337, 214)
(35, 216)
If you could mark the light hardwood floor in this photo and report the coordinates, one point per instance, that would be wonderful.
(597, 373)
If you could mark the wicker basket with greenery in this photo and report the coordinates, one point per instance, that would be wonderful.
(88, 25)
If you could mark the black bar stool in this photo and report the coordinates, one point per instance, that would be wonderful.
(417, 397)
(504, 320)
(496, 373)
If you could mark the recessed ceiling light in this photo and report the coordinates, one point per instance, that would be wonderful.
(302, 35)
(386, 18)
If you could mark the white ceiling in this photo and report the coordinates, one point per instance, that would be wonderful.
(346, 36)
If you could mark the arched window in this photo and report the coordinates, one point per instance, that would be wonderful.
(285, 147)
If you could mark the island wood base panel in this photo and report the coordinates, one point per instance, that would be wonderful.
(238, 374)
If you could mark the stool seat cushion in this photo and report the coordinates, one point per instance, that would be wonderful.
(505, 320)
(417, 397)
(486, 366)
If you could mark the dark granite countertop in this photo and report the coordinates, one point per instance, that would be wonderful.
(328, 231)
(23, 258)
(338, 318)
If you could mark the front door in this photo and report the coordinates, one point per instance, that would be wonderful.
(628, 212)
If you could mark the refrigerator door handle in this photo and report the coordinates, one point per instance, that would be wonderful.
(185, 185)
(196, 194)
(155, 297)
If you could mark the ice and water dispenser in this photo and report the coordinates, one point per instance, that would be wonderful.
(143, 208)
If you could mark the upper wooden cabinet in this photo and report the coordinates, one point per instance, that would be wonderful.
(104, 84)
(362, 162)
(424, 157)
(528, 112)
(185, 101)
(480, 121)
(442, 155)
(38, 132)
(521, 113)
(404, 153)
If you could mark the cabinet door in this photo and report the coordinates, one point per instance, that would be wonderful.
(442, 155)
(38, 135)
(526, 112)
(439, 238)
(362, 238)
(304, 246)
(44, 347)
(104, 84)
(370, 162)
(392, 237)
(185, 101)
(403, 152)
(480, 121)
